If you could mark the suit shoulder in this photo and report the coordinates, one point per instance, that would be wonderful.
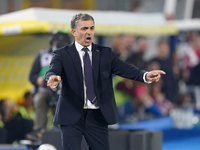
(100, 47)
(65, 48)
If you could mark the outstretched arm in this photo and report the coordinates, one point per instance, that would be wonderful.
(154, 75)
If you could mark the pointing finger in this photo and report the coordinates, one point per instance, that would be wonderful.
(161, 72)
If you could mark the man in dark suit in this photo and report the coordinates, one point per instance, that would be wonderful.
(86, 104)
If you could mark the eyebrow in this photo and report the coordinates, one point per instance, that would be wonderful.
(87, 27)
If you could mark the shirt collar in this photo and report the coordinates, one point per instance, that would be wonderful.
(79, 47)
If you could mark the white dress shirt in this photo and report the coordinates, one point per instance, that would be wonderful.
(87, 103)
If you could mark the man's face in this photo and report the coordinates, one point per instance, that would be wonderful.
(84, 33)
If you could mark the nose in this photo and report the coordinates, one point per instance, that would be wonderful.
(89, 31)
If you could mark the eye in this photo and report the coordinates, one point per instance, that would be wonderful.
(84, 28)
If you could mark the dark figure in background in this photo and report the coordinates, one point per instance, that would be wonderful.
(123, 46)
(137, 57)
(194, 77)
(26, 108)
(44, 97)
(86, 108)
(170, 83)
(21, 121)
(17, 128)
(3, 131)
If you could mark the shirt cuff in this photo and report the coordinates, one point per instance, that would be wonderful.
(145, 78)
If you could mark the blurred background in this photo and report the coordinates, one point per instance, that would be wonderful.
(150, 34)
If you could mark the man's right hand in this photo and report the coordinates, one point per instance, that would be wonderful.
(53, 81)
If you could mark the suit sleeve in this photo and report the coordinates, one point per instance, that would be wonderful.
(56, 65)
(125, 70)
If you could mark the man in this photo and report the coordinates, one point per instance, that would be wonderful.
(44, 98)
(87, 108)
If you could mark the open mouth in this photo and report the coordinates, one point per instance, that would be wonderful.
(88, 38)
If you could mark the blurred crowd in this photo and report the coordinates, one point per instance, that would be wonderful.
(178, 56)
(16, 120)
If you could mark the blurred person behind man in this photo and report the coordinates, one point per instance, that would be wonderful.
(170, 82)
(187, 54)
(137, 57)
(190, 57)
(3, 131)
(158, 96)
(123, 46)
(21, 121)
(26, 108)
(44, 97)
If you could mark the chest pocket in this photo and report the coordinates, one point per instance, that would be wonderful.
(106, 74)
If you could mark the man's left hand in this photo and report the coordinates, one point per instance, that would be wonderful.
(154, 75)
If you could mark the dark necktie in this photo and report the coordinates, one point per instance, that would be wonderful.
(89, 77)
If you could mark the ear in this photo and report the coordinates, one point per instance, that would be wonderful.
(73, 31)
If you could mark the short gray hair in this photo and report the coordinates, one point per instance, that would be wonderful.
(78, 17)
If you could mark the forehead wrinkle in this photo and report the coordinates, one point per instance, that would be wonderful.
(85, 22)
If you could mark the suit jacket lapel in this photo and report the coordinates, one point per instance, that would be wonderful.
(76, 60)
(95, 62)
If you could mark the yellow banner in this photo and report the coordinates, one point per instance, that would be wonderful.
(28, 27)
(14, 71)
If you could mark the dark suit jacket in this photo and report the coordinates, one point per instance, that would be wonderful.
(66, 63)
